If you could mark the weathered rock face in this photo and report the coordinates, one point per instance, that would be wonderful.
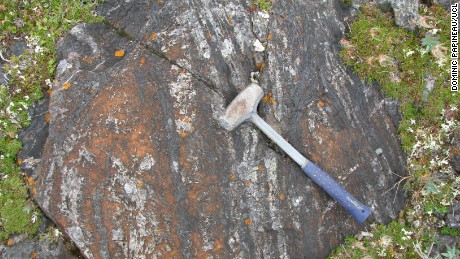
(405, 11)
(136, 165)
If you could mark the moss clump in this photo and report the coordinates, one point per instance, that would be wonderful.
(18, 213)
(262, 4)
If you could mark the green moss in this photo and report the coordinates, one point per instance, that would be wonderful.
(18, 213)
(263, 4)
(387, 241)
(450, 231)
(39, 23)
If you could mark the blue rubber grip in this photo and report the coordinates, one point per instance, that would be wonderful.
(350, 203)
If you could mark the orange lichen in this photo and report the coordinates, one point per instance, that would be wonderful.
(269, 36)
(142, 61)
(119, 53)
(269, 99)
(230, 22)
(270, 186)
(260, 168)
(260, 66)
(66, 85)
(47, 117)
(321, 103)
(90, 60)
(19, 161)
(139, 184)
(30, 181)
(247, 182)
(182, 134)
(153, 36)
(10, 242)
(232, 177)
(248, 221)
(34, 191)
(281, 196)
(33, 255)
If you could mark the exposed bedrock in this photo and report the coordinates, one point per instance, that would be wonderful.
(135, 164)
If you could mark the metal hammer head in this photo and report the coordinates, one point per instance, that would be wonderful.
(242, 107)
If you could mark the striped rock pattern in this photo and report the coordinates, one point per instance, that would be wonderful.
(136, 165)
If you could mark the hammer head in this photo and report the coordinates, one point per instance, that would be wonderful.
(242, 107)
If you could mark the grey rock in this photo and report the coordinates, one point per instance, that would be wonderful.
(445, 3)
(34, 137)
(39, 249)
(18, 47)
(455, 151)
(3, 75)
(136, 164)
(260, 24)
(405, 11)
(453, 217)
(392, 107)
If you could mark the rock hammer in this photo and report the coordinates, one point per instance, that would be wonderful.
(244, 108)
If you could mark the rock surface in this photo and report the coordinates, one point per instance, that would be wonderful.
(445, 3)
(405, 11)
(34, 138)
(39, 249)
(136, 166)
(455, 151)
(453, 217)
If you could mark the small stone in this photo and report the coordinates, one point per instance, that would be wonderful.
(364, 234)
(3, 76)
(18, 47)
(128, 188)
(258, 47)
(453, 217)
(263, 14)
(379, 151)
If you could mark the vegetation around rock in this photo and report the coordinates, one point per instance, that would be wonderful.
(413, 68)
(29, 31)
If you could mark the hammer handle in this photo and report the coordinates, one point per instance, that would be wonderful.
(336, 191)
